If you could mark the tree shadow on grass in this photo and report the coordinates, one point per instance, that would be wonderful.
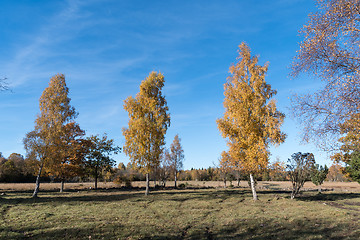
(250, 229)
(327, 196)
(199, 194)
(172, 195)
(120, 195)
(308, 229)
(70, 198)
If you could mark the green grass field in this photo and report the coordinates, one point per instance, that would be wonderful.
(179, 214)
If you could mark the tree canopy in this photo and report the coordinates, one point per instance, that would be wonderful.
(330, 51)
(251, 121)
(54, 130)
(98, 154)
(148, 122)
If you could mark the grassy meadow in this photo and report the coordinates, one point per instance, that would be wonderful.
(193, 213)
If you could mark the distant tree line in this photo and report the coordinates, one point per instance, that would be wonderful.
(17, 169)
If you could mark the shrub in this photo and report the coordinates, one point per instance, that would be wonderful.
(299, 168)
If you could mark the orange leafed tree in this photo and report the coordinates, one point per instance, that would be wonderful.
(70, 150)
(148, 122)
(251, 121)
(336, 173)
(55, 130)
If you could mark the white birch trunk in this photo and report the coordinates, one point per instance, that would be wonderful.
(37, 184)
(253, 187)
(147, 185)
(175, 175)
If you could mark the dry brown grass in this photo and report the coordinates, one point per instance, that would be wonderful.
(273, 185)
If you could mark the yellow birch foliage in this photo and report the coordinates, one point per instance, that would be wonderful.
(148, 122)
(251, 120)
(56, 129)
(71, 149)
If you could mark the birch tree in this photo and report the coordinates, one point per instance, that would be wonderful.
(329, 51)
(251, 121)
(166, 167)
(176, 156)
(36, 149)
(71, 151)
(46, 141)
(148, 122)
(225, 166)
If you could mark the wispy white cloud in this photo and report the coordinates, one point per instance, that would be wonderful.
(30, 56)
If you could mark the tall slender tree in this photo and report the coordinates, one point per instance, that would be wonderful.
(225, 166)
(166, 167)
(251, 121)
(177, 156)
(148, 122)
(36, 149)
(48, 138)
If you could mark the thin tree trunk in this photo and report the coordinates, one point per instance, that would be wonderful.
(238, 182)
(155, 177)
(253, 187)
(147, 185)
(62, 185)
(96, 176)
(294, 191)
(224, 182)
(292, 194)
(175, 179)
(319, 189)
(37, 184)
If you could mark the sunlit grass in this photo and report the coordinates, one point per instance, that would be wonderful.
(179, 214)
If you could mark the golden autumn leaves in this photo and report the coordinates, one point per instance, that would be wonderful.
(251, 120)
(148, 122)
(57, 143)
(330, 51)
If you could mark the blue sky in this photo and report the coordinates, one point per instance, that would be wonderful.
(106, 48)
